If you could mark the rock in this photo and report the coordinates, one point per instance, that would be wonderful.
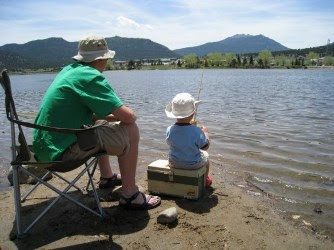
(317, 209)
(167, 216)
(26, 179)
(307, 223)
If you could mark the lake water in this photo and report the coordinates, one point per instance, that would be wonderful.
(275, 126)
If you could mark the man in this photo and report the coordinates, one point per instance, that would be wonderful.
(79, 93)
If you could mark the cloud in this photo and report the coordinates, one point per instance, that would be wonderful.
(175, 24)
(129, 23)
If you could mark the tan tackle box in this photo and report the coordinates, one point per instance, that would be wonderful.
(162, 179)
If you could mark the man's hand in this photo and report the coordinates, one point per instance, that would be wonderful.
(125, 115)
(111, 118)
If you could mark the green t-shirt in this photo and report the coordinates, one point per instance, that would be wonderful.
(76, 93)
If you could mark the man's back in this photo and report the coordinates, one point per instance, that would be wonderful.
(77, 92)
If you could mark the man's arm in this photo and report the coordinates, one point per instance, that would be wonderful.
(123, 114)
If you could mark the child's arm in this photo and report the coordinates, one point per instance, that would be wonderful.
(206, 132)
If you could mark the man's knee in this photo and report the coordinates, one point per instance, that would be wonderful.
(133, 133)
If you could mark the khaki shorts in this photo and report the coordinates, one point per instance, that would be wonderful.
(204, 161)
(112, 138)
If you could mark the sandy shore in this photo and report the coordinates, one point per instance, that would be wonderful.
(227, 217)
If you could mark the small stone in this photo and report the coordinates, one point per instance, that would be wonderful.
(307, 223)
(167, 216)
(317, 210)
(295, 217)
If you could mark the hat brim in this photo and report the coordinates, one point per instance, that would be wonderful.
(169, 112)
(94, 55)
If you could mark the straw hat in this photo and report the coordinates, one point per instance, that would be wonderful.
(183, 105)
(92, 48)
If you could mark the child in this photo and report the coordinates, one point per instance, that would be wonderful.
(187, 142)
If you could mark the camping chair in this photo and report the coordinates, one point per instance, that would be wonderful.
(22, 156)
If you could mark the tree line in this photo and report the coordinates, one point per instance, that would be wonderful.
(264, 59)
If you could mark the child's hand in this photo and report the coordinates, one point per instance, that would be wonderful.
(194, 122)
(204, 129)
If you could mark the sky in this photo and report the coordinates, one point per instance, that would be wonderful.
(175, 24)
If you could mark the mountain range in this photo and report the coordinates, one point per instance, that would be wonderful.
(238, 44)
(57, 52)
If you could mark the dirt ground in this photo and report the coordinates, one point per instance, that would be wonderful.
(228, 216)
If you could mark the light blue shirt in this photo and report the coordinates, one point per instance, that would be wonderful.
(185, 142)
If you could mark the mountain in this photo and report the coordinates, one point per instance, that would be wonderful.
(57, 52)
(47, 53)
(238, 44)
(325, 50)
(138, 48)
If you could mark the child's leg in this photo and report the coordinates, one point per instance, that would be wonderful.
(208, 178)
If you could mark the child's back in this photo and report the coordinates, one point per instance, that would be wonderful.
(185, 141)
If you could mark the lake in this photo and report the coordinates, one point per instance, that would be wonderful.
(273, 127)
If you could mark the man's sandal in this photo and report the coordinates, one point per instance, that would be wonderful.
(110, 182)
(143, 206)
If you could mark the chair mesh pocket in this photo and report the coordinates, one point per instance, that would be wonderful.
(87, 140)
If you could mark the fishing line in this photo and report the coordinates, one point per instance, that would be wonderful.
(200, 87)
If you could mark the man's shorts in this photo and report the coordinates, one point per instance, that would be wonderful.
(112, 139)
(204, 161)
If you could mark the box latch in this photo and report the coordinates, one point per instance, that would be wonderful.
(171, 176)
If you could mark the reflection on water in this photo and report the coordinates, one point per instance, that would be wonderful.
(277, 125)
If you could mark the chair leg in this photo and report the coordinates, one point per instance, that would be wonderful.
(24, 197)
(17, 201)
(63, 194)
(61, 177)
(90, 182)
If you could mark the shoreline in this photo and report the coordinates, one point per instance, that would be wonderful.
(42, 71)
(231, 215)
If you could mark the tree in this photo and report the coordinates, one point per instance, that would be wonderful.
(215, 59)
(131, 65)
(328, 60)
(260, 62)
(233, 63)
(179, 63)
(191, 61)
(228, 57)
(109, 65)
(251, 60)
(312, 58)
(138, 64)
(238, 60)
(265, 56)
(244, 61)
(205, 63)
(281, 60)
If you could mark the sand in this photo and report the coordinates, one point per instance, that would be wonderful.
(231, 215)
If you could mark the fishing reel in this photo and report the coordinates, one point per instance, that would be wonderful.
(195, 122)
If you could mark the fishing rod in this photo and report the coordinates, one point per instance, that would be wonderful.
(200, 87)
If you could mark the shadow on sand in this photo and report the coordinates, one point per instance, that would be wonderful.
(66, 219)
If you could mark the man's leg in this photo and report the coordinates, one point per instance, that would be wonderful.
(105, 167)
(128, 164)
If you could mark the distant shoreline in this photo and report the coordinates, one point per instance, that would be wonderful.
(31, 72)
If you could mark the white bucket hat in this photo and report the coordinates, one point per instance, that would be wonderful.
(183, 105)
(92, 48)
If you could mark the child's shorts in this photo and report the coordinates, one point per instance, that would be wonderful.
(203, 162)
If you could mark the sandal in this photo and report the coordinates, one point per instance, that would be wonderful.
(110, 182)
(144, 206)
